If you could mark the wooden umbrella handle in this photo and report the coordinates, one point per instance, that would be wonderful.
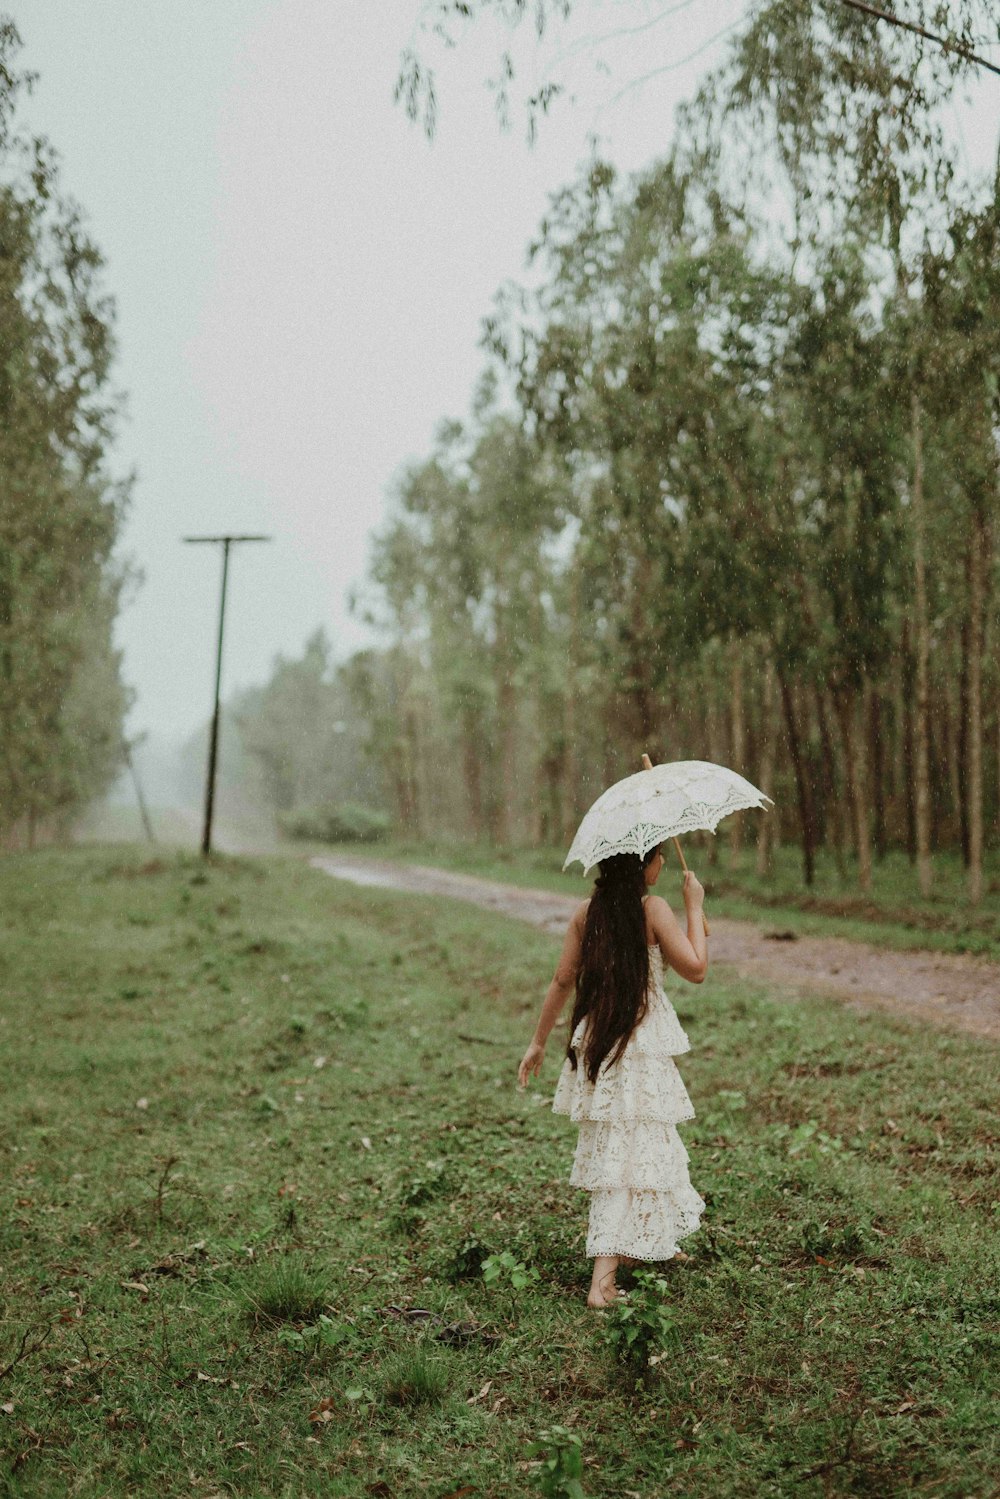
(647, 764)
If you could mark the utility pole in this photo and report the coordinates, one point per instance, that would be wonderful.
(213, 744)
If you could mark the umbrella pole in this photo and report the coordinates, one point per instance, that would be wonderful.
(647, 764)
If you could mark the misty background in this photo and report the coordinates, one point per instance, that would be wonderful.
(302, 283)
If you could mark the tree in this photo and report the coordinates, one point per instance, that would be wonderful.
(62, 700)
(942, 37)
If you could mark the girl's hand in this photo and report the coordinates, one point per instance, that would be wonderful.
(694, 891)
(531, 1062)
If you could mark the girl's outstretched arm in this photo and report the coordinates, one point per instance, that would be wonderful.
(559, 991)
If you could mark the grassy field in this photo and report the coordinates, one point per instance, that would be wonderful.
(260, 1131)
(892, 914)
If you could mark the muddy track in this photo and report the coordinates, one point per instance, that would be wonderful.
(947, 989)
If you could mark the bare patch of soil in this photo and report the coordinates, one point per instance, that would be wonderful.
(950, 990)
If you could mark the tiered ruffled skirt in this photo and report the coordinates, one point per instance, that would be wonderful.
(629, 1155)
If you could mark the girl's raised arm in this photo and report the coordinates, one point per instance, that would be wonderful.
(686, 954)
(561, 987)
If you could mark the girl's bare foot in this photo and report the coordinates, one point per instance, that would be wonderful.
(603, 1291)
(598, 1305)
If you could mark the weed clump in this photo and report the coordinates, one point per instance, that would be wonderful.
(414, 1378)
(286, 1289)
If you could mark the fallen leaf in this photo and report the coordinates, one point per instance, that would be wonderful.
(474, 1399)
(320, 1062)
(134, 1285)
(8, 1406)
(907, 1405)
(366, 1142)
(323, 1411)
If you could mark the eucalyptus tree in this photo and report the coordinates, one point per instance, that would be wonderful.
(960, 370)
(650, 360)
(949, 35)
(61, 697)
(465, 554)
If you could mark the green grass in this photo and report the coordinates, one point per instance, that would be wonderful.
(893, 914)
(260, 1132)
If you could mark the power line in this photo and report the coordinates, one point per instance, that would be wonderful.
(959, 48)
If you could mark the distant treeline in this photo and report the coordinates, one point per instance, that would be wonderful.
(730, 490)
(62, 700)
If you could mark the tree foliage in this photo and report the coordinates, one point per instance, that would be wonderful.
(755, 393)
(62, 700)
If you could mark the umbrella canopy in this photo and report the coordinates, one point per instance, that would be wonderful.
(636, 814)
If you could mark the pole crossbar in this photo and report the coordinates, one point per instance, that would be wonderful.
(213, 743)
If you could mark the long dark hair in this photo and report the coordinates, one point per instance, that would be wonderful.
(613, 974)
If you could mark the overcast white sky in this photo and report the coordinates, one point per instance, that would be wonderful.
(300, 276)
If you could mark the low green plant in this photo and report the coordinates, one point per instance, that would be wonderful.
(560, 1471)
(640, 1329)
(325, 1333)
(346, 822)
(467, 1260)
(423, 1186)
(507, 1269)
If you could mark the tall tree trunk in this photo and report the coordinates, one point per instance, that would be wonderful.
(412, 771)
(962, 721)
(738, 736)
(846, 705)
(906, 684)
(472, 767)
(923, 789)
(876, 761)
(571, 773)
(768, 737)
(953, 708)
(832, 781)
(503, 823)
(716, 753)
(801, 779)
(977, 590)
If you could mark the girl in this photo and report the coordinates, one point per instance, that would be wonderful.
(619, 1081)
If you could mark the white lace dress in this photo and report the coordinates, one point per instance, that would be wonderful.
(629, 1155)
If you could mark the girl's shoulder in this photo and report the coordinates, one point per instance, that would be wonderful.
(656, 909)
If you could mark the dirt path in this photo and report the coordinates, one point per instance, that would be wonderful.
(949, 990)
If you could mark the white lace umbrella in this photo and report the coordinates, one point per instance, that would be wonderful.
(657, 803)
